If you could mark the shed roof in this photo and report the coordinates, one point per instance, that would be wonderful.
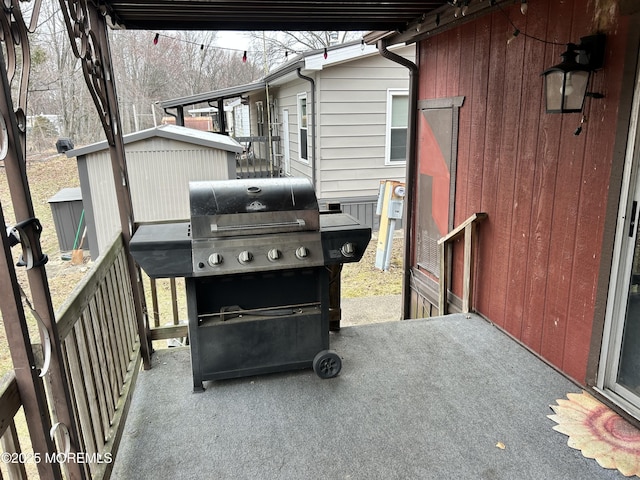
(173, 132)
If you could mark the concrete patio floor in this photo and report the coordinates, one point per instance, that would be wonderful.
(419, 399)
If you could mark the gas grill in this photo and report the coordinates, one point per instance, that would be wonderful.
(258, 259)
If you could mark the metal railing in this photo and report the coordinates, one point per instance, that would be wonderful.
(258, 160)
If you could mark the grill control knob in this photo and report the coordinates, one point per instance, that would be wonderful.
(215, 259)
(245, 257)
(274, 254)
(348, 249)
(302, 253)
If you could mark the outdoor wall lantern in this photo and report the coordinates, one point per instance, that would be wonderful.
(565, 84)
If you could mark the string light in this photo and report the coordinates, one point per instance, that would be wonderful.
(524, 6)
(578, 130)
(516, 30)
(513, 36)
(245, 53)
(465, 7)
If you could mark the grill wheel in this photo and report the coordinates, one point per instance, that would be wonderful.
(327, 364)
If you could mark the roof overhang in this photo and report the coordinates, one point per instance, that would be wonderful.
(433, 22)
(306, 63)
(293, 15)
(222, 94)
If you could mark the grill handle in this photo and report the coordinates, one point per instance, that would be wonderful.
(296, 224)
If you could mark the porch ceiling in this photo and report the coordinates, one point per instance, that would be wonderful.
(267, 14)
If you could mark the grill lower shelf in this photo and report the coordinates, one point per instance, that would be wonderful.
(285, 338)
(252, 346)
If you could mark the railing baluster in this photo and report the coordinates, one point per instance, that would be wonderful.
(112, 353)
(129, 319)
(9, 443)
(174, 300)
(82, 389)
(154, 302)
(92, 378)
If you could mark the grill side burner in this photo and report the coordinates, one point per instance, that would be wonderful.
(257, 256)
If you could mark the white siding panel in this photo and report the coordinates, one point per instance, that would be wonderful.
(160, 180)
(353, 106)
(355, 163)
(364, 174)
(103, 194)
(159, 174)
(357, 119)
(346, 108)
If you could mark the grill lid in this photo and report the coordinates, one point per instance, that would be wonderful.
(252, 206)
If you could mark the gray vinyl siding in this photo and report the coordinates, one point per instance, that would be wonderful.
(287, 98)
(351, 133)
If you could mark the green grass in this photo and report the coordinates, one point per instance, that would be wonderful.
(362, 279)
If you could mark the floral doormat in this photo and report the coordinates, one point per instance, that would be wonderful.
(598, 432)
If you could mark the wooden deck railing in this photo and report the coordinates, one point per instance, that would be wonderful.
(101, 350)
(10, 404)
(468, 229)
(175, 327)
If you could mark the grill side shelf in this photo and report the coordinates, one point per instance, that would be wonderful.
(163, 250)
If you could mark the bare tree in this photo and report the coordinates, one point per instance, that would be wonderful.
(57, 85)
(154, 66)
(146, 71)
(276, 46)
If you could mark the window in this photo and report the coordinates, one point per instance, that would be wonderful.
(397, 119)
(302, 126)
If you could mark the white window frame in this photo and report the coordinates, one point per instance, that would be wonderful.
(391, 93)
(300, 97)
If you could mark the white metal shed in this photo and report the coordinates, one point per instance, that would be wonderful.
(161, 162)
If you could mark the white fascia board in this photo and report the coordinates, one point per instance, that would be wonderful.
(338, 55)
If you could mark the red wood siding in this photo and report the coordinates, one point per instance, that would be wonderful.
(544, 188)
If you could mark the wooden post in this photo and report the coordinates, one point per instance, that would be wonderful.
(154, 302)
(467, 279)
(443, 280)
